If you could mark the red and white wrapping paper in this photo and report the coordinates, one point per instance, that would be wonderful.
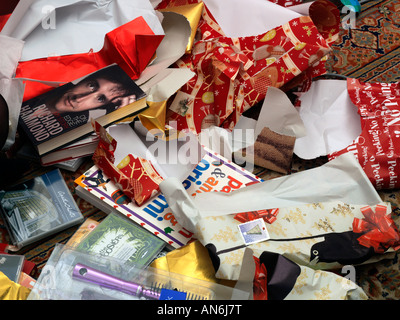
(377, 148)
(233, 74)
(134, 176)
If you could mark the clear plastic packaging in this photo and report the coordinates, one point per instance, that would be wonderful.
(70, 274)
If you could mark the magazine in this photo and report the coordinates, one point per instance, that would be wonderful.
(214, 173)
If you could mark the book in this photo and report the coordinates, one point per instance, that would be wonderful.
(84, 229)
(213, 173)
(70, 165)
(120, 238)
(37, 208)
(11, 266)
(63, 115)
(79, 149)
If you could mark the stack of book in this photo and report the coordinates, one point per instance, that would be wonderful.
(58, 123)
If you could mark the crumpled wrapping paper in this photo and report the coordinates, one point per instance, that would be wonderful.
(317, 235)
(278, 278)
(377, 148)
(131, 46)
(136, 177)
(233, 74)
(192, 260)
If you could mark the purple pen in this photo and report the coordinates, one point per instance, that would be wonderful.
(88, 274)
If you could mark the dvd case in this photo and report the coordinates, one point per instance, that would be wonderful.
(37, 208)
(117, 236)
(11, 265)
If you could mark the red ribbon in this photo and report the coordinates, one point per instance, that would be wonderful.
(260, 281)
(378, 228)
(269, 215)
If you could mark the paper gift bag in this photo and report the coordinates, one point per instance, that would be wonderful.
(378, 146)
(322, 236)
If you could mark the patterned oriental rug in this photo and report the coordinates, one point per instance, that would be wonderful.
(370, 51)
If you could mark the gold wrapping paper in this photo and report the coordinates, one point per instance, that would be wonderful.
(154, 117)
(192, 13)
(191, 260)
(9, 290)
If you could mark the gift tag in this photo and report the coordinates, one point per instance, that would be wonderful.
(253, 231)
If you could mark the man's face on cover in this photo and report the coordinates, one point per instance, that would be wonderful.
(92, 94)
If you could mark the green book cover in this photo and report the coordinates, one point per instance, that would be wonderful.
(122, 239)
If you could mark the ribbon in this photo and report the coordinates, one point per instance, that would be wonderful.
(268, 216)
(260, 281)
(377, 228)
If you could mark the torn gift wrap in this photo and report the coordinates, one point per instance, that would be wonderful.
(67, 27)
(378, 145)
(282, 279)
(233, 73)
(135, 177)
(9, 290)
(232, 76)
(318, 235)
(131, 45)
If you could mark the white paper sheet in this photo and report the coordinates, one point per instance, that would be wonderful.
(173, 46)
(279, 115)
(340, 179)
(239, 18)
(163, 155)
(76, 26)
(330, 118)
(10, 88)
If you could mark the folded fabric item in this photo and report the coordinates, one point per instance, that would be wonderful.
(323, 236)
(377, 148)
